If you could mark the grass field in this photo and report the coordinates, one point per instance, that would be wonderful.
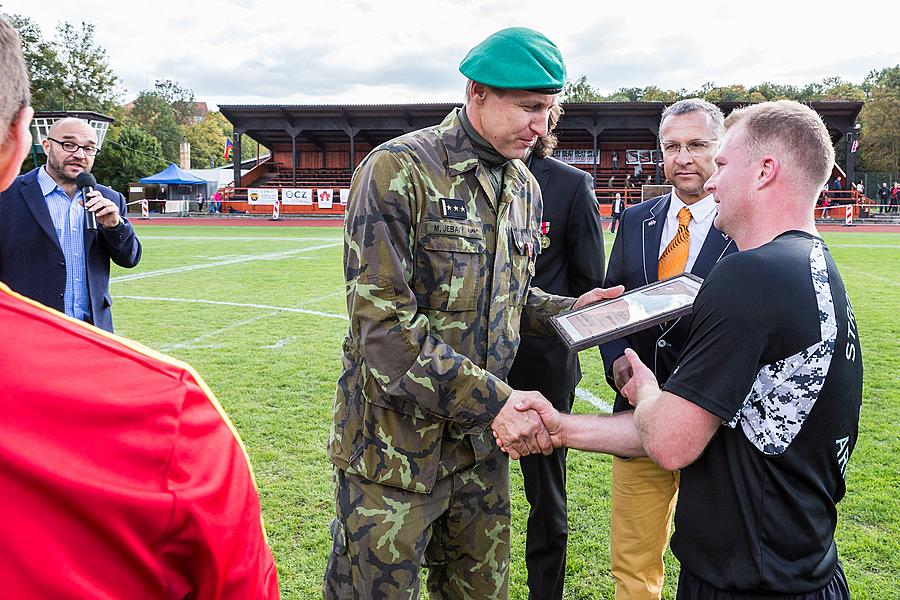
(260, 312)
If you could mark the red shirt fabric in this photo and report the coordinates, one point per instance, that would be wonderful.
(120, 474)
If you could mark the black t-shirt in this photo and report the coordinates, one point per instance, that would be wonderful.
(773, 351)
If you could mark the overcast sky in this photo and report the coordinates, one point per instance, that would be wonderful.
(359, 51)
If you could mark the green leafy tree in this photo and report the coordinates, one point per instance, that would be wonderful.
(152, 113)
(70, 72)
(580, 91)
(207, 140)
(179, 98)
(42, 61)
(879, 138)
(89, 81)
(128, 154)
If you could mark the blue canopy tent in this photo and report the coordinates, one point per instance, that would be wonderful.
(183, 187)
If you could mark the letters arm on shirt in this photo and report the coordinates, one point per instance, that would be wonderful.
(400, 351)
(215, 545)
(121, 241)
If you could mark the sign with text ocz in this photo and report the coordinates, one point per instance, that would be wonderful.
(298, 196)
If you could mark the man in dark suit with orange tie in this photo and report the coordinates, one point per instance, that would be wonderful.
(659, 238)
(570, 263)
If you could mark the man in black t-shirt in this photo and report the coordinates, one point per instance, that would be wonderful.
(761, 412)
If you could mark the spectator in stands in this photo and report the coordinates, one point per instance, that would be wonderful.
(825, 204)
(627, 180)
(884, 197)
(895, 197)
(615, 161)
(119, 473)
(612, 181)
(638, 169)
(837, 185)
(162, 195)
(216, 205)
(617, 207)
(860, 188)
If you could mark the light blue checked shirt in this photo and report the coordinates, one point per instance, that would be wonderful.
(68, 220)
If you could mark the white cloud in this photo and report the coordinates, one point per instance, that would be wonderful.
(342, 51)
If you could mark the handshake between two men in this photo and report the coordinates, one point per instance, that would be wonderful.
(529, 424)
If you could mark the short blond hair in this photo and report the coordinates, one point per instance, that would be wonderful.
(791, 130)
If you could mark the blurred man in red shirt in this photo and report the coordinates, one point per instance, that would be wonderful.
(120, 475)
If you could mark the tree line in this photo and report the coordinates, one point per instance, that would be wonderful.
(70, 71)
(879, 120)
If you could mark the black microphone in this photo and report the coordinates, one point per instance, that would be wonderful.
(87, 182)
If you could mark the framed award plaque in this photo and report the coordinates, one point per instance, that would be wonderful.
(634, 310)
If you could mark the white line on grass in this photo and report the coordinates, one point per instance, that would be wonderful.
(281, 343)
(192, 343)
(876, 277)
(303, 311)
(886, 246)
(221, 263)
(587, 396)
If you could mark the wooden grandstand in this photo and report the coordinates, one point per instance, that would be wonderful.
(316, 147)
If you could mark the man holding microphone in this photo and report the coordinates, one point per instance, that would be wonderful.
(48, 248)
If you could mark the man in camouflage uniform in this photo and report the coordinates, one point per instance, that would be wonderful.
(442, 230)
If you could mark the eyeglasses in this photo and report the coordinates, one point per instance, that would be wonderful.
(72, 147)
(697, 148)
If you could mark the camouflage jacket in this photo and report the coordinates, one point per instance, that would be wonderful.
(438, 279)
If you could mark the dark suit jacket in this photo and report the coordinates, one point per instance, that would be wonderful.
(634, 262)
(570, 266)
(32, 261)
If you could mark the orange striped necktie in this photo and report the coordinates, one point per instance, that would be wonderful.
(674, 258)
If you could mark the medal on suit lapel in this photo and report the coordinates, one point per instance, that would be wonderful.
(545, 237)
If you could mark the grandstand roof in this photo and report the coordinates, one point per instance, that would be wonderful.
(322, 124)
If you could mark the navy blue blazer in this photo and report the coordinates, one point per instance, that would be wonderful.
(634, 262)
(570, 266)
(32, 261)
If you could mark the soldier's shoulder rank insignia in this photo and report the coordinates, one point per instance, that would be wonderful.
(454, 208)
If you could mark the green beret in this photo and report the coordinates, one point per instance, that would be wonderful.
(516, 58)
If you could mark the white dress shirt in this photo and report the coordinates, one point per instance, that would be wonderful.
(703, 213)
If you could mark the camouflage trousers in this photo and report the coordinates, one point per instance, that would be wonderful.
(383, 536)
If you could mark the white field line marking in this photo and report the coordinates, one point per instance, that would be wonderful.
(281, 343)
(886, 246)
(590, 398)
(220, 263)
(277, 309)
(876, 277)
(222, 238)
(192, 343)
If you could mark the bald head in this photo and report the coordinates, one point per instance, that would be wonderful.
(71, 126)
(63, 165)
